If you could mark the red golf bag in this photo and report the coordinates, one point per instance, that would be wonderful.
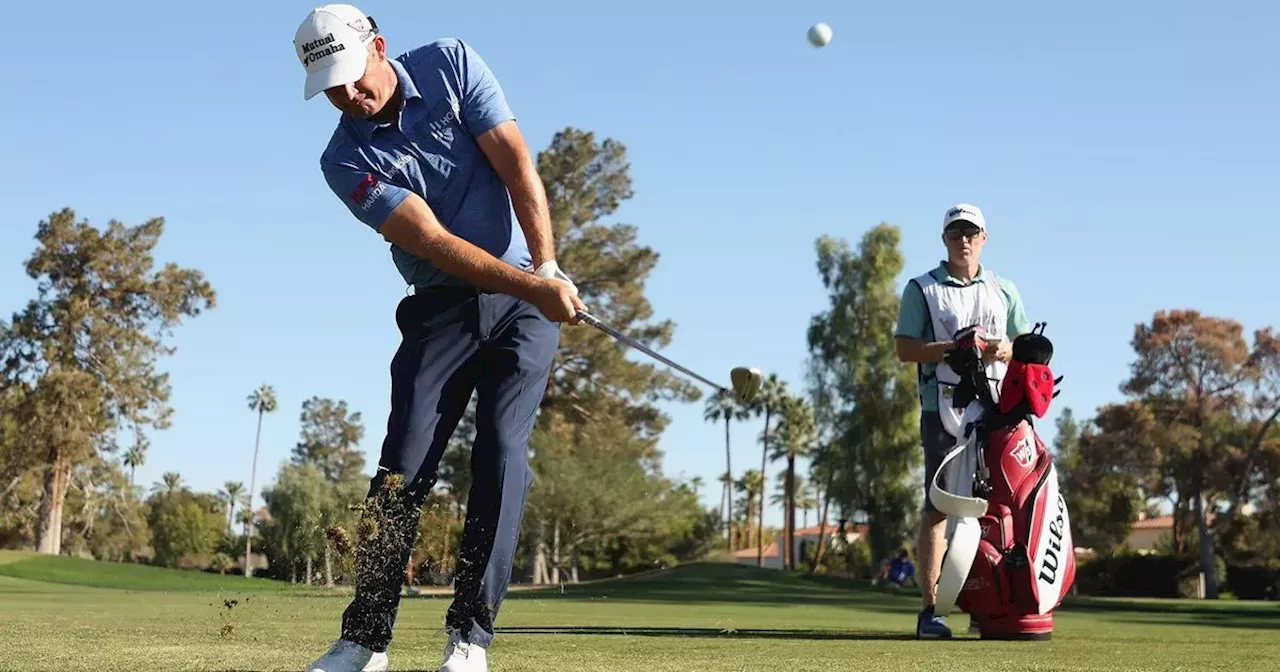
(1024, 560)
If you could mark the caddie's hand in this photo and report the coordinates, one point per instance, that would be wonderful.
(558, 300)
(998, 352)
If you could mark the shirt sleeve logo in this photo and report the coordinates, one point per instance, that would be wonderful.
(367, 192)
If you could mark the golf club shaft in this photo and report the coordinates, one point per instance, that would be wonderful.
(591, 320)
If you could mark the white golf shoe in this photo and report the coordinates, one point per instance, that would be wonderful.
(346, 656)
(460, 656)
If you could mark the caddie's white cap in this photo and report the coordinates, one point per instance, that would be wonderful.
(332, 45)
(964, 212)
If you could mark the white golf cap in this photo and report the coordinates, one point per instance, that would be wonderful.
(331, 43)
(964, 212)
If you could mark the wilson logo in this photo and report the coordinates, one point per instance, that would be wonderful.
(1024, 452)
(1049, 566)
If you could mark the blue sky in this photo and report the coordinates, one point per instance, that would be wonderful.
(1134, 142)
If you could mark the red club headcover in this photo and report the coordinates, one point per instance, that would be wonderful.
(1034, 382)
(969, 337)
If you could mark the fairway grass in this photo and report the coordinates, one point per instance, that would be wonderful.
(66, 570)
(700, 617)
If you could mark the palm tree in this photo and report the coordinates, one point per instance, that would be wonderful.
(231, 492)
(806, 499)
(822, 470)
(751, 485)
(169, 483)
(723, 405)
(263, 400)
(796, 433)
(779, 498)
(133, 458)
(726, 482)
(771, 393)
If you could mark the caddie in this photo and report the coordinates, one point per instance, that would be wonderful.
(957, 293)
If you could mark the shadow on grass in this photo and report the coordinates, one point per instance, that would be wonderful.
(1183, 607)
(714, 633)
(729, 583)
(1216, 614)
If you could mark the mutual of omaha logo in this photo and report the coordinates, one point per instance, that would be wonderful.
(317, 49)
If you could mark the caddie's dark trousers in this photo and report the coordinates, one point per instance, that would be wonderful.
(454, 342)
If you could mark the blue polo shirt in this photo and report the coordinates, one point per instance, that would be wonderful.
(900, 570)
(449, 98)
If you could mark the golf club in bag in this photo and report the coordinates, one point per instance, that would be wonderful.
(1010, 559)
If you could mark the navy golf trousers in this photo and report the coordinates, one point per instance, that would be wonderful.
(454, 342)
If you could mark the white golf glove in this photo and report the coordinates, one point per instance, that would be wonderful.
(550, 269)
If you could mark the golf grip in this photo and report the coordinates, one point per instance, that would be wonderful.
(591, 320)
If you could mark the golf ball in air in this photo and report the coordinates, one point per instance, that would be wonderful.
(819, 34)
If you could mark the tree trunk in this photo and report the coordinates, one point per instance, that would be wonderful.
(248, 526)
(57, 474)
(1208, 565)
(540, 554)
(728, 486)
(328, 564)
(790, 496)
(822, 529)
(764, 486)
(309, 574)
(573, 563)
(444, 557)
(1177, 524)
(555, 552)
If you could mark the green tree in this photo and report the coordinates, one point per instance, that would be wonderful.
(826, 455)
(772, 393)
(871, 397)
(232, 492)
(20, 468)
(722, 405)
(86, 348)
(586, 181)
(102, 516)
(1194, 372)
(185, 526)
(328, 440)
(795, 437)
(593, 380)
(455, 473)
(135, 457)
(262, 401)
(298, 502)
(1106, 469)
(595, 481)
(751, 485)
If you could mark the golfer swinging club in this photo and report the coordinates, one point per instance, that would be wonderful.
(427, 154)
(959, 292)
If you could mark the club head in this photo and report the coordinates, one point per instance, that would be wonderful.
(746, 383)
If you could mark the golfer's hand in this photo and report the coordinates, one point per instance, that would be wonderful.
(558, 301)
